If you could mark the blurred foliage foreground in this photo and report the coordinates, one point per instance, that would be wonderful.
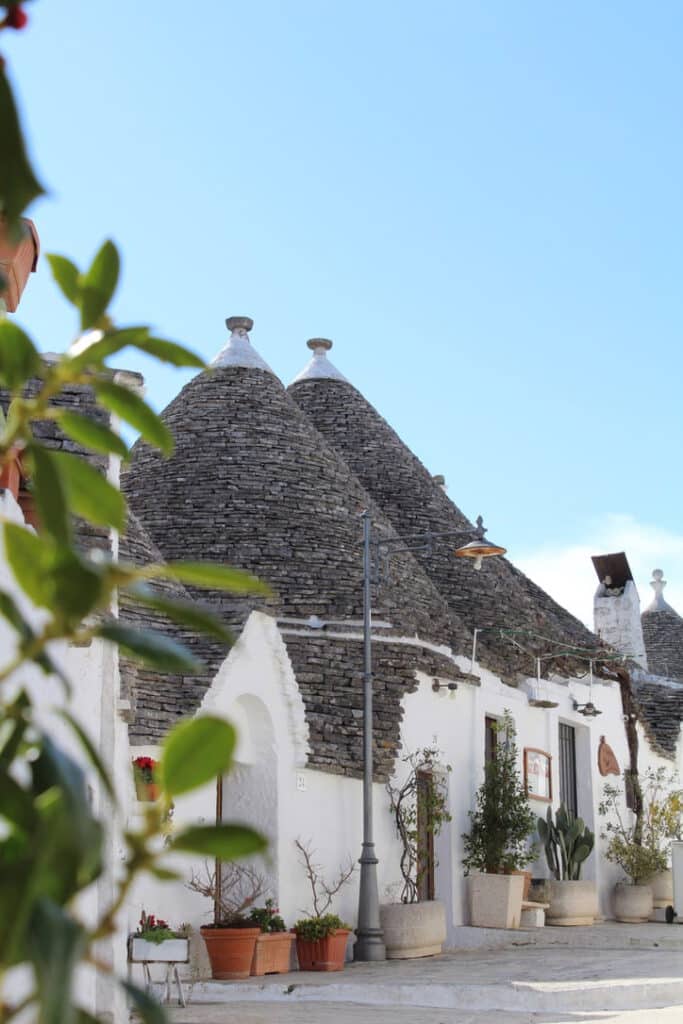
(52, 841)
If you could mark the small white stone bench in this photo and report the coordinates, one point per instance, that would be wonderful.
(533, 914)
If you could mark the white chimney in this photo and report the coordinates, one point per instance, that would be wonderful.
(616, 607)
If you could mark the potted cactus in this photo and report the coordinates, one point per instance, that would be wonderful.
(568, 842)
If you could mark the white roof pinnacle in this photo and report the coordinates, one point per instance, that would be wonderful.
(238, 351)
(320, 368)
(658, 583)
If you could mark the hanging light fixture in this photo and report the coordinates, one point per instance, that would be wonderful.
(479, 548)
(588, 710)
(451, 686)
(540, 698)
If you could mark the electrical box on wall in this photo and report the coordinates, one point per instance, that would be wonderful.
(301, 782)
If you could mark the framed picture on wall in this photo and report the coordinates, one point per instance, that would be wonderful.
(537, 774)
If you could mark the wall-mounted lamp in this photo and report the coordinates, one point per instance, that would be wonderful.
(588, 710)
(451, 686)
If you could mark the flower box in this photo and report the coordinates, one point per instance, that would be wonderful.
(169, 951)
(272, 953)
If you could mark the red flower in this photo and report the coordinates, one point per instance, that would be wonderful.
(16, 17)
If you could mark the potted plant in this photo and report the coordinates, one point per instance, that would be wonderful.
(568, 842)
(321, 938)
(273, 950)
(416, 925)
(155, 941)
(630, 846)
(231, 939)
(663, 821)
(146, 787)
(497, 843)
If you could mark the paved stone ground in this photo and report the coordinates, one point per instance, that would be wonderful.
(616, 974)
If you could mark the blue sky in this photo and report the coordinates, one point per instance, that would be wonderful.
(479, 202)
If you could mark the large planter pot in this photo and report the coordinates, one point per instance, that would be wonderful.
(662, 885)
(495, 900)
(413, 929)
(272, 953)
(326, 954)
(231, 951)
(17, 260)
(632, 903)
(146, 792)
(571, 903)
(168, 951)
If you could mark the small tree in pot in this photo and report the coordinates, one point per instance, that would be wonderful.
(231, 939)
(417, 925)
(321, 937)
(497, 843)
(568, 842)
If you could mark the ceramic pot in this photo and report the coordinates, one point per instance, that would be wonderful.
(413, 929)
(632, 903)
(571, 903)
(231, 951)
(146, 792)
(17, 260)
(662, 885)
(326, 954)
(495, 900)
(272, 953)
(169, 951)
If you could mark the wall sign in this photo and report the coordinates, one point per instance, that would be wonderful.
(537, 774)
(607, 762)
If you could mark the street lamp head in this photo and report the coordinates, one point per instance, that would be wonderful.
(479, 549)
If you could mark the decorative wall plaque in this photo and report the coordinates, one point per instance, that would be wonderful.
(537, 774)
(607, 762)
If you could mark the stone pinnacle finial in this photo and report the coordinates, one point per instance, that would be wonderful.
(238, 350)
(658, 583)
(239, 324)
(319, 367)
(319, 344)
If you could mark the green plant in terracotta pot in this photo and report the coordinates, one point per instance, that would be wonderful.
(273, 950)
(321, 938)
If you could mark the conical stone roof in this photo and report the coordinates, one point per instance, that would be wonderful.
(662, 633)
(252, 484)
(497, 596)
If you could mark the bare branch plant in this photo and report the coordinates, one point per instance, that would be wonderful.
(322, 892)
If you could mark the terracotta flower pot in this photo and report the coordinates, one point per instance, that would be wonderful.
(10, 473)
(17, 260)
(272, 953)
(146, 792)
(326, 954)
(231, 951)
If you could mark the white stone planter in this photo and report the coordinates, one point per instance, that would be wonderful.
(632, 903)
(413, 929)
(168, 951)
(571, 903)
(662, 885)
(495, 900)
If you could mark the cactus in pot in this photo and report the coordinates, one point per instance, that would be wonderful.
(568, 843)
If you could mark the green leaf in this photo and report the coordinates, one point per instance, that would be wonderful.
(99, 284)
(163, 874)
(111, 343)
(78, 585)
(93, 435)
(19, 359)
(170, 352)
(226, 842)
(153, 648)
(18, 183)
(28, 557)
(187, 613)
(196, 752)
(133, 410)
(10, 611)
(16, 804)
(58, 943)
(211, 575)
(49, 488)
(90, 494)
(90, 750)
(149, 1010)
(66, 275)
